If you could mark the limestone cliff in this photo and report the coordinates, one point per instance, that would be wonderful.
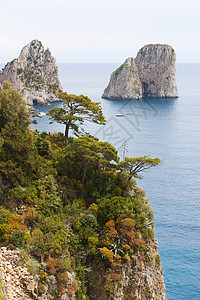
(151, 74)
(34, 73)
(132, 272)
(124, 82)
(140, 278)
(156, 69)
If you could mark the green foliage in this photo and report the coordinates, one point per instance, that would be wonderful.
(18, 156)
(33, 266)
(50, 235)
(22, 194)
(41, 288)
(76, 211)
(19, 237)
(76, 110)
(12, 107)
(157, 261)
(64, 264)
(88, 227)
(40, 242)
(91, 151)
(111, 209)
(49, 200)
(135, 165)
(43, 146)
(8, 223)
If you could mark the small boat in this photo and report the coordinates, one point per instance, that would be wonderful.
(119, 115)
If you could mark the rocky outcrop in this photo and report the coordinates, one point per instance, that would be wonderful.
(18, 281)
(140, 278)
(151, 74)
(133, 273)
(34, 73)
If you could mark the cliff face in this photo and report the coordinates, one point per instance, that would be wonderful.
(151, 74)
(34, 73)
(140, 279)
(134, 272)
(124, 82)
(156, 68)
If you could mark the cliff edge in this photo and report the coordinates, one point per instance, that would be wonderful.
(151, 74)
(34, 73)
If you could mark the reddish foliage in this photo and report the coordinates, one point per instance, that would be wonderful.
(23, 228)
(62, 289)
(110, 224)
(128, 224)
(70, 290)
(66, 252)
(130, 235)
(118, 258)
(112, 233)
(114, 277)
(57, 251)
(51, 264)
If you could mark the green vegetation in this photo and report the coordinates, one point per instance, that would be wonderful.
(68, 203)
(1, 294)
(76, 110)
(118, 71)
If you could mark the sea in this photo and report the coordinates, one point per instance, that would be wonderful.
(165, 128)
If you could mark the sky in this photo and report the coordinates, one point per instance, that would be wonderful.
(99, 31)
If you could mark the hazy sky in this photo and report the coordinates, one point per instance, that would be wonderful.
(100, 30)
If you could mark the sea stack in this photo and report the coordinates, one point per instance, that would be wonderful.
(151, 74)
(34, 73)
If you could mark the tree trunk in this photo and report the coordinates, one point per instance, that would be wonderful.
(67, 130)
(85, 170)
(123, 194)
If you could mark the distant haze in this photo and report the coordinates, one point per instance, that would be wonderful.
(100, 31)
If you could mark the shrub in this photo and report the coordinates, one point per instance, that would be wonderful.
(41, 288)
(33, 266)
(51, 264)
(157, 261)
(43, 146)
(63, 264)
(110, 224)
(19, 237)
(110, 209)
(107, 254)
(93, 209)
(62, 278)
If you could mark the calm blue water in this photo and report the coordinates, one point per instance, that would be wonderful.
(164, 128)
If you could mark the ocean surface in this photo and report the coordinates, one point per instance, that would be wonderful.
(164, 128)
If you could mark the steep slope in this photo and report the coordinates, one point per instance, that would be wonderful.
(135, 270)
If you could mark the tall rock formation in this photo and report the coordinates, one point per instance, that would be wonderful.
(34, 73)
(151, 74)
